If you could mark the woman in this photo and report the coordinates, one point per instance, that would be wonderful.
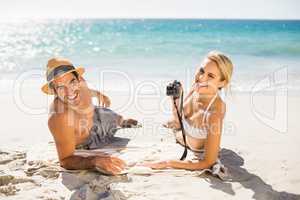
(203, 114)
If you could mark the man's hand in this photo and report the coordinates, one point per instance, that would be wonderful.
(109, 165)
(104, 101)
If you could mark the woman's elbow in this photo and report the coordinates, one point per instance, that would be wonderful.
(205, 164)
(209, 163)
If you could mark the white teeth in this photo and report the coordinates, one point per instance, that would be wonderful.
(72, 97)
(202, 84)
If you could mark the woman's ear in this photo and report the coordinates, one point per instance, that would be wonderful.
(222, 84)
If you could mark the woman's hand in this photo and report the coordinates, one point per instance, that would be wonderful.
(194, 87)
(180, 93)
(157, 165)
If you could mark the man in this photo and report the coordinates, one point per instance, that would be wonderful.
(75, 122)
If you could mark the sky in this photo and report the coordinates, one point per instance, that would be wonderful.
(241, 9)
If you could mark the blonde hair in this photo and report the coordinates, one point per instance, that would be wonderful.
(224, 64)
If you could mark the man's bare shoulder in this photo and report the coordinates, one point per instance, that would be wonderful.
(58, 117)
(58, 107)
(56, 121)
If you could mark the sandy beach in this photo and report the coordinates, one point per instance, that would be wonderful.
(262, 162)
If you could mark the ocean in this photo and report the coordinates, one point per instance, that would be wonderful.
(153, 49)
(136, 57)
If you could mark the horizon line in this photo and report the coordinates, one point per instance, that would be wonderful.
(148, 18)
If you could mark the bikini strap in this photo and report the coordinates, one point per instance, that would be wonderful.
(205, 115)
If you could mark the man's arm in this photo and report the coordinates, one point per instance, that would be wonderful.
(64, 137)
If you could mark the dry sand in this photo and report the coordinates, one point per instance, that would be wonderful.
(262, 162)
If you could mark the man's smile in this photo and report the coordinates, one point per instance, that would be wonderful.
(73, 97)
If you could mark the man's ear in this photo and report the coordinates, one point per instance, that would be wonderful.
(81, 78)
(82, 81)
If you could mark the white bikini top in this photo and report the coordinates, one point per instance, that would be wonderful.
(199, 133)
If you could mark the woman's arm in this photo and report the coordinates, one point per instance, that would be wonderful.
(212, 146)
(191, 91)
(187, 106)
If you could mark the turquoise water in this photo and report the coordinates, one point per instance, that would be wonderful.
(153, 48)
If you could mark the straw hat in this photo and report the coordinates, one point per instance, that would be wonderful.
(58, 67)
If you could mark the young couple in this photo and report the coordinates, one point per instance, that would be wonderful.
(76, 123)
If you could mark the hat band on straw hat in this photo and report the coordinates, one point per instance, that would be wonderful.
(59, 70)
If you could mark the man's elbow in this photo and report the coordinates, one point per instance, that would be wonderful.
(77, 162)
(64, 163)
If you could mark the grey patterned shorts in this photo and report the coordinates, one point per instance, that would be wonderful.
(104, 128)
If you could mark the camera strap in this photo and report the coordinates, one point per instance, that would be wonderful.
(179, 115)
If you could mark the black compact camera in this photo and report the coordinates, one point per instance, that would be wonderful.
(173, 89)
